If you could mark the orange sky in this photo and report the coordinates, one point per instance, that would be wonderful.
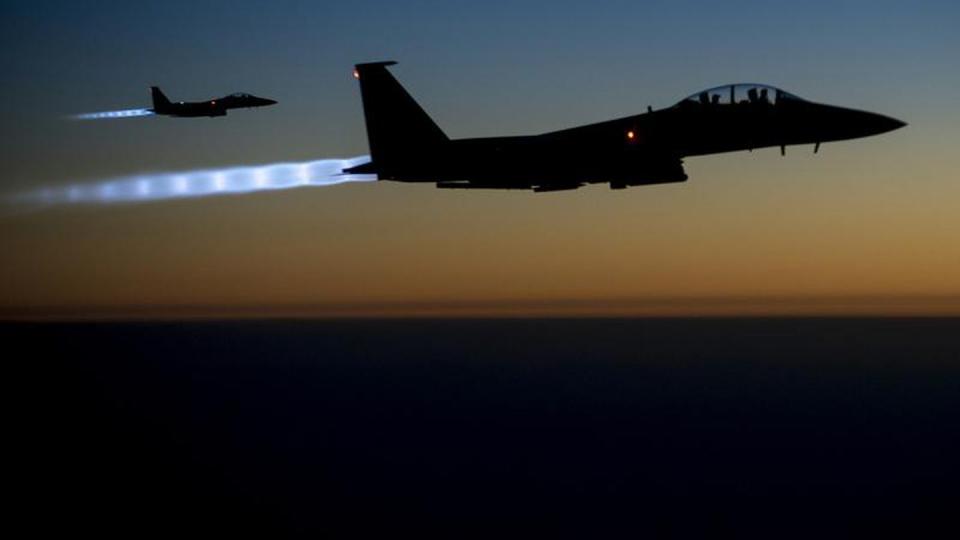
(865, 226)
(849, 230)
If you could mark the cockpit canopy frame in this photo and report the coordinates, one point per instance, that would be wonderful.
(740, 93)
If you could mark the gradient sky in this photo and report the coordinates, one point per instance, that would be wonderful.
(865, 226)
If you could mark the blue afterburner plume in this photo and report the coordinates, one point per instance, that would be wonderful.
(202, 183)
(126, 113)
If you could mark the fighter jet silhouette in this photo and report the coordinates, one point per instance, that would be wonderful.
(214, 107)
(407, 146)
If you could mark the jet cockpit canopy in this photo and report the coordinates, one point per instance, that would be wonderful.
(743, 93)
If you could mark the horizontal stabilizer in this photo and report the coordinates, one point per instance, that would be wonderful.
(365, 168)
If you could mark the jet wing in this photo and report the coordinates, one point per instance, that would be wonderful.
(536, 187)
(629, 151)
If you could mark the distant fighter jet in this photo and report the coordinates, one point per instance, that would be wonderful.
(214, 107)
(407, 146)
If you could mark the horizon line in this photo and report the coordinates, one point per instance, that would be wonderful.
(921, 305)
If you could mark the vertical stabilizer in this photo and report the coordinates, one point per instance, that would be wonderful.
(160, 101)
(397, 127)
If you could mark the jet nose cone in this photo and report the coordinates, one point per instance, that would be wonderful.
(890, 124)
(269, 101)
(884, 124)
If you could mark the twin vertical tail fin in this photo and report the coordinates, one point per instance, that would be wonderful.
(160, 101)
(398, 129)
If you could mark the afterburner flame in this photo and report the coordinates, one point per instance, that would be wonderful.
(102, 115)
(200, 183)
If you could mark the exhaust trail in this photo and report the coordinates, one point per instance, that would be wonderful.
(102, 115)
(199, 183)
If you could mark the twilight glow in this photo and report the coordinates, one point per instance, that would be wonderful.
(201, 183)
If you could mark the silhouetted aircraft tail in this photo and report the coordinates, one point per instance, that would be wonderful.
(160, 101)
(397, 127)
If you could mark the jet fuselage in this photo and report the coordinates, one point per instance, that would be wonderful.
(643, 149)
(211, 108)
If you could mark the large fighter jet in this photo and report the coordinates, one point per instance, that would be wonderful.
(214, 107)
(407, 146)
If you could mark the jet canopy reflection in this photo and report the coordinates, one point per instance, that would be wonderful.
(737, 94)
